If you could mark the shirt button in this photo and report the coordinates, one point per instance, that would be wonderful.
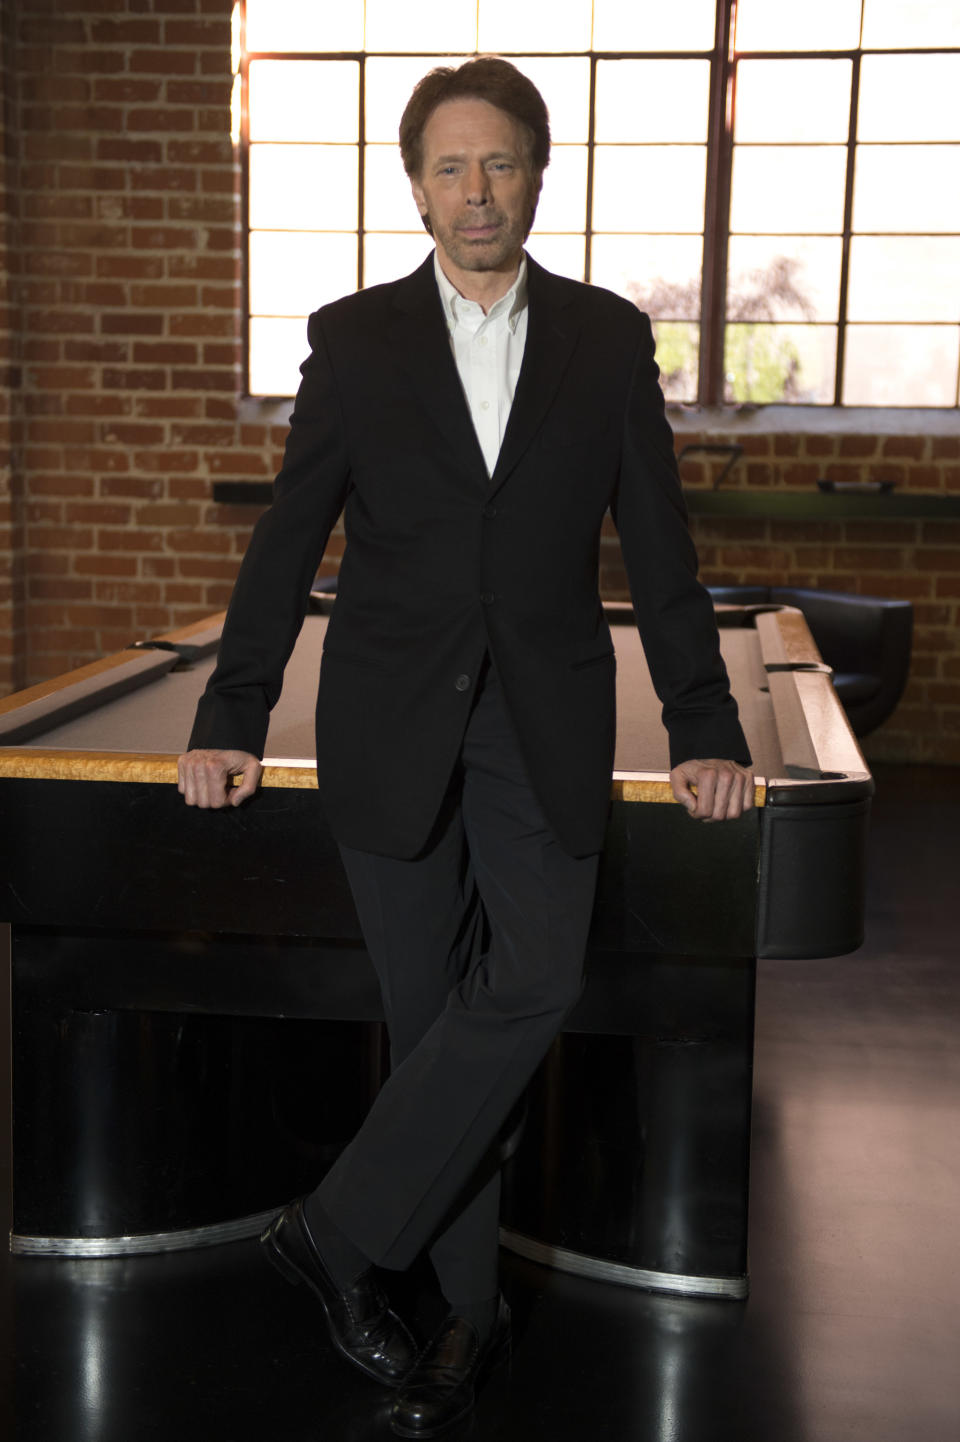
(486, 597)
(483, 340)
(489, 512)
(462, 683)
(484, 405)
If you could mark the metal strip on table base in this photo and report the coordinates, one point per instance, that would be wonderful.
(178, 1241)
(676, 1283)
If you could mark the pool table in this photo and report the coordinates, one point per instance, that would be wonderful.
(196, 1027)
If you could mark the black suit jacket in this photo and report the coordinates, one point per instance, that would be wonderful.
(443, 564)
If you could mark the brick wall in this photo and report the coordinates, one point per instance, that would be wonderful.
(129, 251)
(12, 638)
(120, 332)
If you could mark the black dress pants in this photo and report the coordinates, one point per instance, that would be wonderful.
(478, 944)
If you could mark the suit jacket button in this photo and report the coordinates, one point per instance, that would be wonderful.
(489, 512)
(462, 683)
(486, 597)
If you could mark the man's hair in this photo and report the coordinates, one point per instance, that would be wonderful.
(485, 78)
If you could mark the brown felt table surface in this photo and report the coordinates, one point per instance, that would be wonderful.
(157, 717)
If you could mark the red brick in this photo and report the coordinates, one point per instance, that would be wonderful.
(236, 463)
(202, 380)
(59, 538)
(130, 322)
(149, 380)
(144, 152)
(98, 405)
(129, 540)
(124, 90)
(913, 447)
(198, 32)
(125, 32)
(164, 353)
(207, 568)
(160, 120)
(132, 434)
(166, 178)
(930, 558)
(139, 487)
(100, 565)
(97, 513)
(201, 152)
(177, 406)
(168, 297)
(130, 267)
(167, 515)
(858, 446)
(211, 542)
(943, 448)
(159, 566)
(163, 61)
(202, 323)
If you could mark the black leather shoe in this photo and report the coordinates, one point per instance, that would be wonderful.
(362, 1327)
(441, 1389)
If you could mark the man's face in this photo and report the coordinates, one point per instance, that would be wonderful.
(476, 186)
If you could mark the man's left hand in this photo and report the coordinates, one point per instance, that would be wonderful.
(713, 790)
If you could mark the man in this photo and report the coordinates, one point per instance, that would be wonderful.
(474, 422)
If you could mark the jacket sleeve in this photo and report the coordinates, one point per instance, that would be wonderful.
(674, 612)
(272, 589)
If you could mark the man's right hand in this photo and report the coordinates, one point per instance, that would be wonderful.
(206, 777)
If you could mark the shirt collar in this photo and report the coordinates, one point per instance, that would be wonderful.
(511, 305)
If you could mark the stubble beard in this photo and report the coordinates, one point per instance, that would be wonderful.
(480, 255)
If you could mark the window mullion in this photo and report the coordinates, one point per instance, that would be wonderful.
(717, 210)
(847, 229)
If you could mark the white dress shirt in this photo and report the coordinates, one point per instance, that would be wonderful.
(488, 350)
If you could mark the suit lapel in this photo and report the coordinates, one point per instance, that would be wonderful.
(422, 342)
(552, 331)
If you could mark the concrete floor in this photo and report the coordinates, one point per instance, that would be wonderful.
(852, 1329)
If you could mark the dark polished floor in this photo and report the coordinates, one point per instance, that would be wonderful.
(852, 1329)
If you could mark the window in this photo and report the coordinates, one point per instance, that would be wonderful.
(779, 186)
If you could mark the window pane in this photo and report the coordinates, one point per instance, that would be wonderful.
(293, 274)
(678, 356)
(304, 100)
(277, 350)
(904, 278)
(304, 25)
(901, 365)
(303, 187)
(387, 201)
(563, 254)
(789, 189)
(565, 86)
(386, 257)
(649, 187)
(796, 100)
(889, 23)
(793, 364)
(907, 187)
(434, 26)
(652, 25)
(652, 99)
(659, 273)
(814, 25)
(909, 97)
(786, 277)
(507, 25)
(563, 200)
(388, 85)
